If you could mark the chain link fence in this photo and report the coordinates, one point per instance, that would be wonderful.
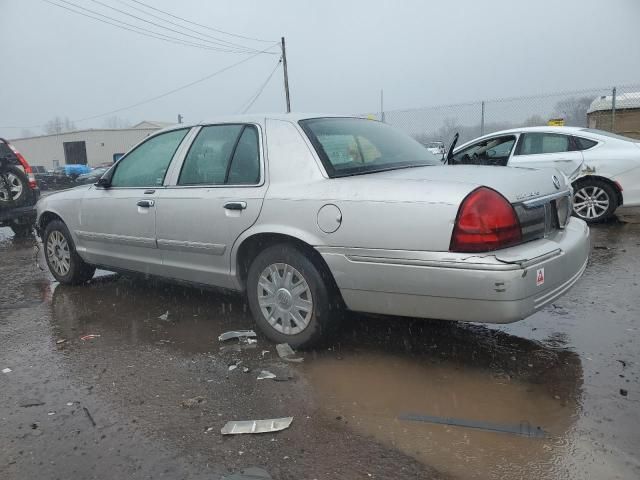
(615, 109)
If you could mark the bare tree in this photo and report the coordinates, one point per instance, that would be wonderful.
(573, 110)
(25, 132)
(116, 122)
(59, 125)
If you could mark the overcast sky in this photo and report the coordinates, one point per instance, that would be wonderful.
(340, 54)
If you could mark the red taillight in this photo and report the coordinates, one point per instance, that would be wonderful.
(486, 221)
(27, 168)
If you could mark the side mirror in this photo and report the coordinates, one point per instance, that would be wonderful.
(103, 182)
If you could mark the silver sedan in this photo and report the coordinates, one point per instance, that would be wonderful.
(310, 214)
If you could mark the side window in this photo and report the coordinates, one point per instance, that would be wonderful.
(537, 143)
(147, 165)
(584, 143)
(245, 165)
(492, 151)
(208, 158)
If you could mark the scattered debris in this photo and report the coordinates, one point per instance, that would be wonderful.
(193, 402)
(251, 473)
(524, 428)
(246, 370)
(600, 247)
(61, 341)
(264, 352)
(86, 411)
(235, 364)
(624, 392)
(248, 341)
(237, 347)
(164, 316)
(622, 362)
(265, 374)
(51, 413)
(256, 426)
(89, 336)
(287, 354)
(6, 370)
(209, 429)
(69, 404)
(236, 334)
(31, 403)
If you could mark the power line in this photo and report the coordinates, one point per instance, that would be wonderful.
(123, 12)
(157, 97)
(135, 28)
(178, 25)
(256, 95)
(199, 24)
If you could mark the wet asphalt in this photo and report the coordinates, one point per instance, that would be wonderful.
(555, 396)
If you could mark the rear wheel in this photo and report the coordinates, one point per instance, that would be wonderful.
(14, 188)
(594, 200)
(289, 298)
(60, 252)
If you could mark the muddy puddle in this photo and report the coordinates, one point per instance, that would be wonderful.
(465, 373)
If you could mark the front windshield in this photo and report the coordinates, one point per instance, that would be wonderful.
(353, 146)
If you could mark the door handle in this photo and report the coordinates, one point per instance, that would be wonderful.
(235, 205)
(146, 203)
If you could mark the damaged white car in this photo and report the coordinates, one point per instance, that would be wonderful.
(603, 167)
(307, 214)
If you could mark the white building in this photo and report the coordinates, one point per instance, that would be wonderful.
(92, 146)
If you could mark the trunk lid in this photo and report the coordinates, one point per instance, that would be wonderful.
(515, 184)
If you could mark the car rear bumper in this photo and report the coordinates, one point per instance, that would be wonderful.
(23, 214)
(497, 287)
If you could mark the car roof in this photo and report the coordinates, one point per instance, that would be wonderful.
(256, 118)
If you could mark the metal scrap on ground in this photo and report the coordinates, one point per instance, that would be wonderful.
(524, 428)
(6, 370)
(236, 334)
(90, 336)
(265, 374)
(256, 426)
(251, 473)
(287, 354)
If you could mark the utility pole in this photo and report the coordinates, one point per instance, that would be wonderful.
(381, 105)
(179, 118)
(286, 75)
(613, 109)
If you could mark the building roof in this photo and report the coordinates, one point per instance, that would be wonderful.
(152, 124)
(624, 100)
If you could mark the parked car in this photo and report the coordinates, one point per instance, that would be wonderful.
(306, 214)
(437, 148)
(92, 177)
(603, 167)
(18, 191)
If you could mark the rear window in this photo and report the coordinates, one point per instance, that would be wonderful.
(353, 146)
(6, 152)
(584, 143)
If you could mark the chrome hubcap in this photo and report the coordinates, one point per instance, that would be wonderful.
(58, 253)
(15, 187)
(590, 202)
(285, 298)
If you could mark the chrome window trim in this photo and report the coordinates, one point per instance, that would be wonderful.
(537, 202)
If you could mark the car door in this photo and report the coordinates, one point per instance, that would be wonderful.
(488, 151)
(117, 225)
(548, 150)
(214, 196)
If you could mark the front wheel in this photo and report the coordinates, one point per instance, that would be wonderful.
(289, 298)
(594, 200)
(60, 252)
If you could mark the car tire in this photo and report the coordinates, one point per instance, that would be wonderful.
(19, 187)
(594, 200)
(290, 297)
(62, 259)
